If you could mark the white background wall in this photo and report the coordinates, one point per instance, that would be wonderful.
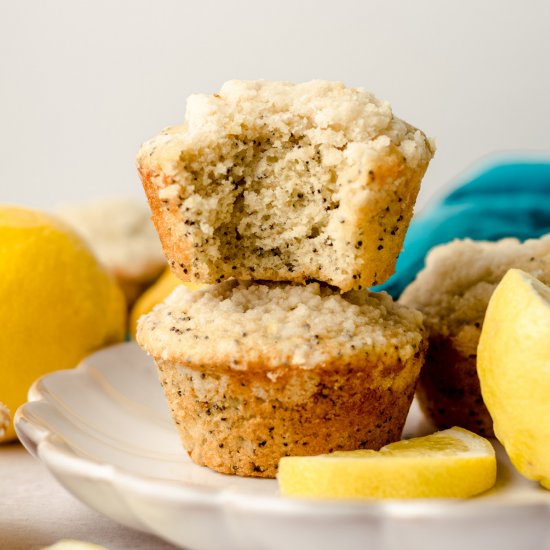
(84, 82)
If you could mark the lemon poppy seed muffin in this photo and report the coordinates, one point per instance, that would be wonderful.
(256, 371)
(453, 293)
(285, 182)
(120, 232)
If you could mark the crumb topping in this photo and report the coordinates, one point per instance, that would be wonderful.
(239, 323)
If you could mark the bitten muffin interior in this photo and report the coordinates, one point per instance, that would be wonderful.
(270, 174)
(243, 324)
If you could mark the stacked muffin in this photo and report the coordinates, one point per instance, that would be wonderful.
(292, 198)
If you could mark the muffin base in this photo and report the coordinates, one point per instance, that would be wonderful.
(243, 422)
(449, 390)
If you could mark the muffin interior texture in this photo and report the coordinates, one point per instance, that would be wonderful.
(268, 175)
(242, 324)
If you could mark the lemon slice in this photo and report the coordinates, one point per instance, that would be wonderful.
(514, 371)
(69, 544)
(452, 463)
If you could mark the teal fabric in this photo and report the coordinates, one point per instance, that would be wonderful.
(507, 199)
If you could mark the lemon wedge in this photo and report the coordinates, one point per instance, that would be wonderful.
(513, 364)
(453, 463)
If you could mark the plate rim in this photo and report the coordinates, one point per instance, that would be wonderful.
(49, 447)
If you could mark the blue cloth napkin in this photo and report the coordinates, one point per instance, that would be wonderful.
(506, 199)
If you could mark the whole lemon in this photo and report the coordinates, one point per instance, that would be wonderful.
(155, 294)
(513, 364)
(57, 302)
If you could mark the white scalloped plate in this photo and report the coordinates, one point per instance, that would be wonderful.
(104, 432)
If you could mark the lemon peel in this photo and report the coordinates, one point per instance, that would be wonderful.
(514, 370)
(58, 302)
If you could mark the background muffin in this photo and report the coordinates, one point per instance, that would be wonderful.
(453, 292)
(121, 233)
(282, 181)
(256, 371)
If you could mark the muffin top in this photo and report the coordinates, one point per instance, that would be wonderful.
(241, 324)
(327, 112)
(455, 287)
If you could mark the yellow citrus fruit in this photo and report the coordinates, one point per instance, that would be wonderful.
(155, 294)
(453, 463)
(58, 302)
(513, 363)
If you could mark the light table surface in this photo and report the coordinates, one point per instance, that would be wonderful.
(35, 511)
